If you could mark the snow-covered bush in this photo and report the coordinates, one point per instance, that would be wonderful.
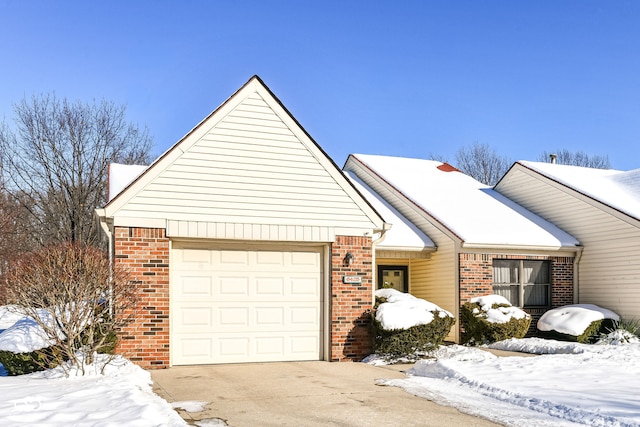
(24, 347)
(492, 318)
(85, 301)
(404, 324)
(583, 323)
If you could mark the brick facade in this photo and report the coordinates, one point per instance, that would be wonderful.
(351, 304)
(476, 277)
(145, 253)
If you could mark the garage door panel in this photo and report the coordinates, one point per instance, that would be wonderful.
(233, 287)
(233, 258)
(194, 350)
(192, 318)
(195, 286)
(270, 286)
(245, 306)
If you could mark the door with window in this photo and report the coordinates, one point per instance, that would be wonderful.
(393, 276)
(525, 283)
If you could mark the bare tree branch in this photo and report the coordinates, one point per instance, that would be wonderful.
(57, 160)
(482, 163)
(576, 158)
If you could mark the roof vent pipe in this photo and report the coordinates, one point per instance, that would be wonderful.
(553, 158)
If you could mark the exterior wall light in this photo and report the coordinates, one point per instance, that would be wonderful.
(348, 258)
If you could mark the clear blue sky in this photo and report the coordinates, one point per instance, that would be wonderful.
(405, 78)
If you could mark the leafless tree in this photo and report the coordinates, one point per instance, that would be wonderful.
(71, 292)
(56, 162)
(482, 163)
(576, 158)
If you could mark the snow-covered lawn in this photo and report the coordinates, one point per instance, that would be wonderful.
(121, 397)
(568, 384)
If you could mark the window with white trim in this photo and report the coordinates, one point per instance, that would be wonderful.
(525, 283)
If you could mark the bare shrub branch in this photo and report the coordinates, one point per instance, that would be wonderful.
(85, 302)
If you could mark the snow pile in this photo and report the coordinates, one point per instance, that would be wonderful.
(9, 315)
(121, 396)
(571, 384)
(499, 314)
(573, 319)
(618, 337)
(24, 336)
(402, 311)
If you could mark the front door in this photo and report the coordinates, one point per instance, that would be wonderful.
(393, 276)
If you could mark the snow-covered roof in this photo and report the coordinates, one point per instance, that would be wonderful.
(120, 176)
(403, 234)
(473, 211)
(617, 189)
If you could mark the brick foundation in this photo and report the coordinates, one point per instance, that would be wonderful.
(145, 253)
(351, 304)
(476, 277)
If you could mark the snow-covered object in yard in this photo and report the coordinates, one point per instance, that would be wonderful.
(402, 311)
(499, 314)
(9, 314)
(573, 319)
(25, 336)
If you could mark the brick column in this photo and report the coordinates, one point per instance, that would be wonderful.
(351, 304)
(561, 281)
(145, 254)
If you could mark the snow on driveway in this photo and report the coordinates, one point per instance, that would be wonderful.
(569, 384)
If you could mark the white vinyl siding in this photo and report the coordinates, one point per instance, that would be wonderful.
(249, 168)
(609, 269)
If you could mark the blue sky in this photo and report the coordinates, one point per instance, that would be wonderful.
(402, 78)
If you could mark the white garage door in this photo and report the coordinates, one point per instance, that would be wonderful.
(230, 305)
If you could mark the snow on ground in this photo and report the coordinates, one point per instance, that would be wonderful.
(122, 396)
(569, 384)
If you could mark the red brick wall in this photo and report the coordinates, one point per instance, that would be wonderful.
(145, 253)
(351, 304)
(476, 276)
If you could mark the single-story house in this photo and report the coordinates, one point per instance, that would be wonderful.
(599, 207)
(247, 242)
(465, 238)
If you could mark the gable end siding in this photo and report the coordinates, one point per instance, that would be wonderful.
(609, 269)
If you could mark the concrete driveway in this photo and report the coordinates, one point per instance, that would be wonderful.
(302, 394)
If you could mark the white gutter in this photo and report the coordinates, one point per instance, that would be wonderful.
(518, 247)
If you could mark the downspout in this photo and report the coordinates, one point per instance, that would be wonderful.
(107, 231)
(576, 275)
(374, 270)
